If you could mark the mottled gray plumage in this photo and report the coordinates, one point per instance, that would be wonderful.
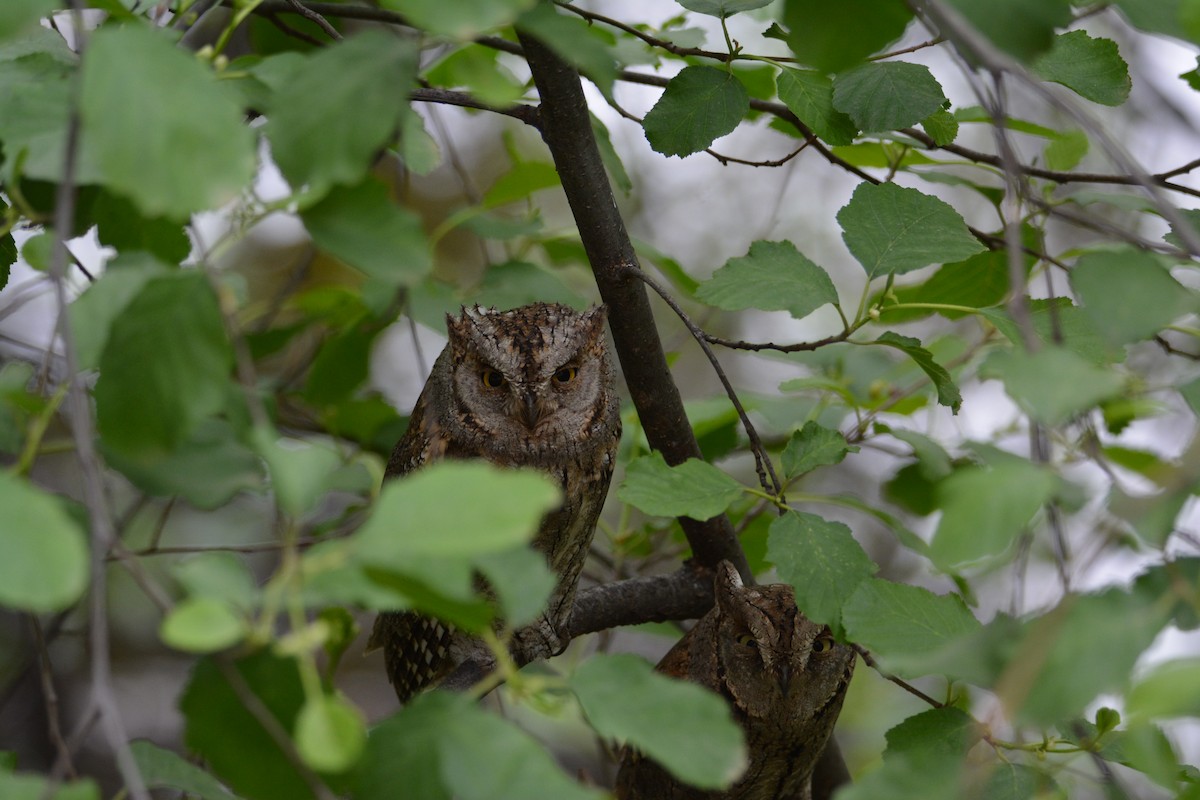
(784, 678)
(530, 387)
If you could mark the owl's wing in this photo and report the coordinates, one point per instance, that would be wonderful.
(415, 446)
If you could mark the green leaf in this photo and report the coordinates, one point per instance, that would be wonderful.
(1058, 319)
(1023, 28)
(119, 225)
(699, 105)
(18, 16)
(941, 126)
(1157, 16)
(907, 778)
(722, 8)
(1013, 782)
(693, 489)
(985, 510)
(1147, 749)
(898, 621)
(521, 580)
(164, 132)
(476, 68)
(45, 563)
(516, 283)
(38, 787)
(223, 576)
(1052, 385)
(822, 562)
(165, 769)
(418, 150)
(834, 36)
(520, 182)
(978, 282)
(1192, 217)
(362, 84)
(575, 41)
(444, 745)
(462, 19)
(503, 511)
(300, 470)
(1104, 281)
(891, 230)
(1170, 689)
(814, 446)
(104, 300)
(1086, 646)
(684, 727)
(885, 95)
(330, 734)
(202, 625)
(207, 469)
(611, 158)
(809, 95)
(165, 366)
(1066, 150)
(1092, 68)
(363, 227)
(947, 392)
(773, 276)
(946, 732)
(223, 731)
(36, 97)
(343, 363)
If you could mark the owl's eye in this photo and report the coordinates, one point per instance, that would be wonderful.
(492, 379)
(746, 640)
(823, 644)
(565, 375)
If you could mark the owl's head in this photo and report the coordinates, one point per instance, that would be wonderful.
(534, 380)
(778, 666)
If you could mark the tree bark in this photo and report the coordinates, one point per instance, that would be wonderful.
(567, 130)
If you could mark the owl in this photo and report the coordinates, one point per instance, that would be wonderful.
(783, 677)
(530, 387)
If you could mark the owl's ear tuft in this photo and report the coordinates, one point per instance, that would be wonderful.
(727, 587)
(592, 321)
(457, 331)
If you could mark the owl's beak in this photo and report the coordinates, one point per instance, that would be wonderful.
(531, 412)
(785, 678)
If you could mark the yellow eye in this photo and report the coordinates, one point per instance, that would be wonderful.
(823, 644)
(491, 379)
(746, 640)
(565, 374)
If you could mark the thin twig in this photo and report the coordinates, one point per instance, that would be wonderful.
(316, 18)
(869, 660)
(84, 433)
(762, 461)
(273, 727)
(525, 113)
(256, 547)
(952, 23)
(1057, 176)
(295, 33)
(50, 697)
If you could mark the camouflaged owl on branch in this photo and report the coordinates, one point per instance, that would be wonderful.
(530, 387)
(784, 678)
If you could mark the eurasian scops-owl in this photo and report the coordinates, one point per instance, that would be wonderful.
(529, 387)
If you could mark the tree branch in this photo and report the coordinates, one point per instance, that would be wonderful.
(567, 131)
(83, 431)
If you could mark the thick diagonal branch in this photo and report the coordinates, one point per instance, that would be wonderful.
(567, 130)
